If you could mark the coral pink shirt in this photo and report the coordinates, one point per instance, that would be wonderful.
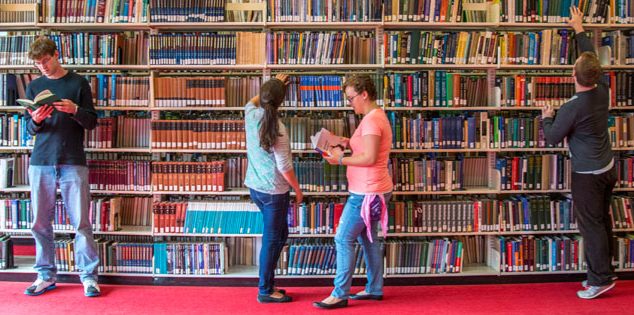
(375, 178)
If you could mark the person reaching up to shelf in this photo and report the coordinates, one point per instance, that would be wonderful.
(584, 121)
(269, 175)
(370, 187)
(58, 158)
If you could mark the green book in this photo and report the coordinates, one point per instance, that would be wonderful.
(45, 97)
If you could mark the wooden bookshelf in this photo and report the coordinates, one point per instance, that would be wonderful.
(265, 70)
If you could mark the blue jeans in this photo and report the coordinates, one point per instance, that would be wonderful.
(351, 227)
(73, 183)
(274, 210)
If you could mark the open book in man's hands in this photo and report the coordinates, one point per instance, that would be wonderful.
(41, 99)
(325, 142)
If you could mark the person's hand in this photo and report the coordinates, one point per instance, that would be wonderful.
(282, 77)
(576, 19)
(333, 157)
(345, 141)
(66, 106)
(299, 196)
(41, 113)
(548, 111)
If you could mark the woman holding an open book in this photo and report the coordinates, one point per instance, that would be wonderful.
(370, 187)
(269, 175)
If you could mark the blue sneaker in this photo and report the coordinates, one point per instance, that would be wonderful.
(40, 287)
(593, 291)
(91, 288)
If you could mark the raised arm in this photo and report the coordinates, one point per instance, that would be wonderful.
(576, 22)
(280, 76)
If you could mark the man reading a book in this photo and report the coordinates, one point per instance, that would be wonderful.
(58, 160)
(584, 121)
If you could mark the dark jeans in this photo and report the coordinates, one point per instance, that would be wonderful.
(274, 210)
(591, 195)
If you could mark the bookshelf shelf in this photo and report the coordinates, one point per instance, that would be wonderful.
(216, 151)
(439, 66)
(470, 191)
(101, 27)
(206, 67)
(205, 26)
(438, 25)
(438, 150)
(121, 150)
(196, 108)
(121, 108)
(324, 66)
(323, 25)
(18, 26)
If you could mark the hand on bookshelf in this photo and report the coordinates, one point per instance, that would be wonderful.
(548, 111)
(41, 113)
(66, 106)
(282, 77)
(576, 19)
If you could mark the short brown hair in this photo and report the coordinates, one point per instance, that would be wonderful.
(588, 69)
(360, 83)
(41, 47)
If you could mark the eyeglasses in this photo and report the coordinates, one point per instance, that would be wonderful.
(350, 98)
(42, 61)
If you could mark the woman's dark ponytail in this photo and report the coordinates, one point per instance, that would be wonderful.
(271, 97)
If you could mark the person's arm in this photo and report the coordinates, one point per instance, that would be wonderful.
(576, 22)
(84, 112)
(284, 162)
(371, 144)
(557, 128)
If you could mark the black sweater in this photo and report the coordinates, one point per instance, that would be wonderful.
(59, 139)
(584, 120)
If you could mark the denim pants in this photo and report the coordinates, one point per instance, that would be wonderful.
(351, 227)
(274, 208)
(73, 183)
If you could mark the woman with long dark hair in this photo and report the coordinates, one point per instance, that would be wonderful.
(269, 177)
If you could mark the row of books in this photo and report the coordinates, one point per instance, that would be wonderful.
(192, 258)
(555, 11)
(314, 47)
(438, 174)
(119, 132)
(538, 253)
(547, 47)
(221, 218)
(435, 89)
(188, 176)
(14, 168)
(120, 90)
(189, 11)
(80, 48)
(429, 256)
(534, 172)
(106, 214)
(222, 48)
(301, 128)
(94, 11)
(6, 252)
(128, 175)
(437, 11)
(13, 130)
(320, 176)
(324, 11)
(318, 256)
(198, 134)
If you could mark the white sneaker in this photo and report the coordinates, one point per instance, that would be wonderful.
(91, 288)
(40, 286)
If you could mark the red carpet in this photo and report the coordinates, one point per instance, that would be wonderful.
(542, 298)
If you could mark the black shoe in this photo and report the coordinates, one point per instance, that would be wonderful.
(270, 299)
(340, 304)
(366, 297)
(280, 291)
